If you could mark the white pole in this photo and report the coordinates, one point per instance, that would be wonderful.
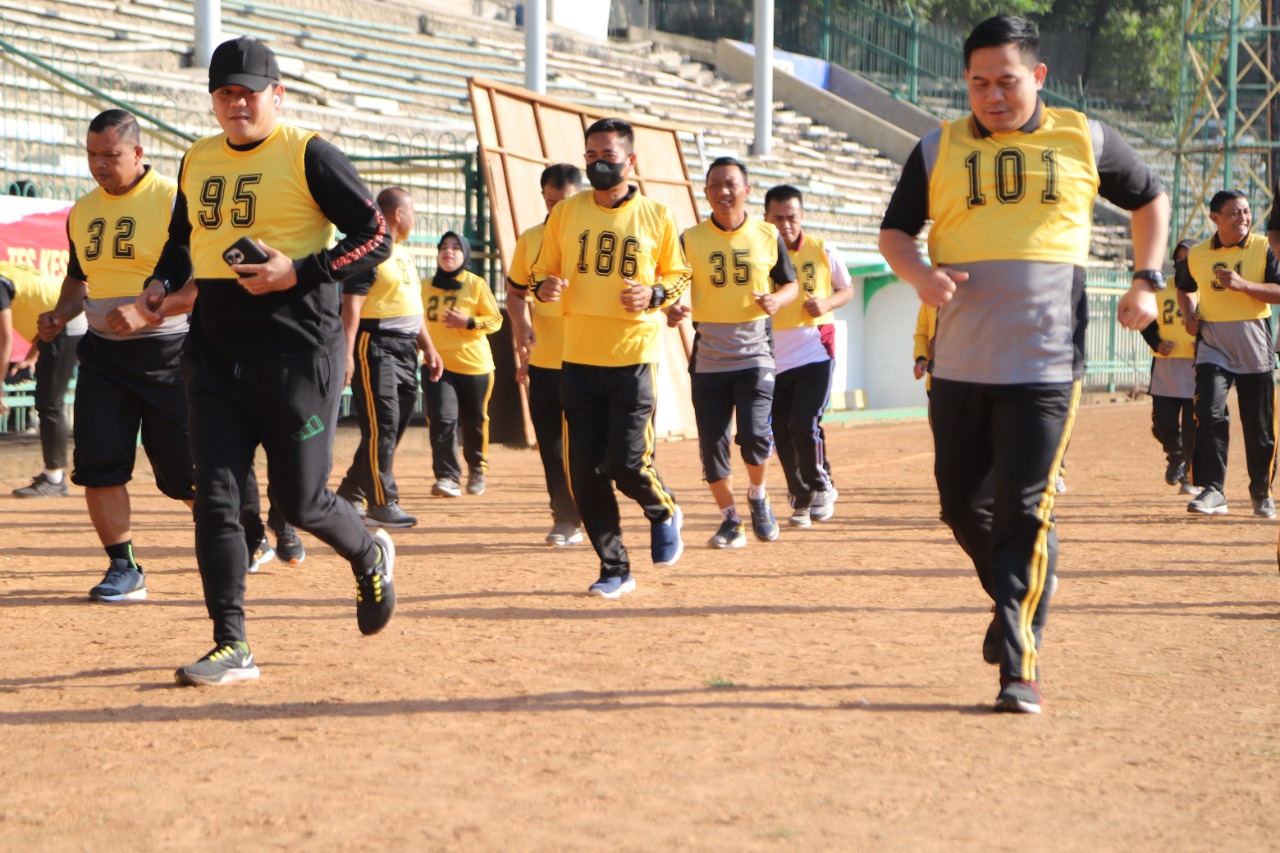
(535, 46)
(764, 77)
(208, 30)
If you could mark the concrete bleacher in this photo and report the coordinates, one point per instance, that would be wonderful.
(400, 72)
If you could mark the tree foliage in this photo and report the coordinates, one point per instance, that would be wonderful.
(1129, 48)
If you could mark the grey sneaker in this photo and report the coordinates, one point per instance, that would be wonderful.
(388, 515)
(1265, 508)
(40, 487)
(446, 488)
(357, 504)
(1059, 486)
(730, 535)
(375, 592)
(824, 504)
(1187, 488)
(122, 582)
(476, 483)
(763, 523)
(800, 517)
(1019, 697)
(226, 664)
(563, 533)
(1210, 501)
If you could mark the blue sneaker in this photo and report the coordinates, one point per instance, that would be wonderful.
(665, 544)
(122, 582)
(612, 587)
(730, 535)
(763, 523)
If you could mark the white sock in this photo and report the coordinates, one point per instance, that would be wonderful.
(755, 492)
(730, 513)
(54, 476)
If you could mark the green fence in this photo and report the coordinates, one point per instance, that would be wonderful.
(1115, 357)
(915, 60)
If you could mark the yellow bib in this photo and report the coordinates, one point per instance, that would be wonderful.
(34, 295)
(226, 199)
(396, 291)
(1171, 328)
(1217, 304)
(464, 351)
(1014, 196)
(729, 269)
(813, 270)
(118, 238)
(548, 317)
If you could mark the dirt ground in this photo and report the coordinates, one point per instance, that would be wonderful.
(824, 692)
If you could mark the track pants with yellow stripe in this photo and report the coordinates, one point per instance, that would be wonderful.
(997, 450)
(608, 413)
(458, 413)
(384, 389)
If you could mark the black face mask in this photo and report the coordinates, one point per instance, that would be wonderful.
(605, 176)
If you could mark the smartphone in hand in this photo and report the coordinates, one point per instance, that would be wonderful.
(244, 251)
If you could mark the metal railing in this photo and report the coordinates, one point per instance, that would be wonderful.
(1115, 357)
(917, 61)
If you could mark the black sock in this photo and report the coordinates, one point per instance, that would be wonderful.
(123, 551)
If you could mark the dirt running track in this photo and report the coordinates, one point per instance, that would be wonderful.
(825, 692)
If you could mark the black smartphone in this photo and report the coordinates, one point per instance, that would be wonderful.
(244, 251)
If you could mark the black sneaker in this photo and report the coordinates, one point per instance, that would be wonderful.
(1173, 472)
(993, 641)
(1019, 697)
(40, 487)
(375, 592)
(226, 664)
(388, 515)
(122, 582)
(289, 548)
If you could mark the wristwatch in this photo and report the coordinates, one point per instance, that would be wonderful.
(1154, 276)
(659, 296)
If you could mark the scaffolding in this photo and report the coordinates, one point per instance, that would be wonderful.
(1226, 115)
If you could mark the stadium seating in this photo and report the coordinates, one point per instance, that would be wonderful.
(400, 74)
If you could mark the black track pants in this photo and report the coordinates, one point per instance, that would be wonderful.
(997, 451)
(548, 425)
(384, 390)
(1255, 392)
(54, 369)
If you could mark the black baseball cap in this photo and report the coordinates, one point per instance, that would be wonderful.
(243, 62)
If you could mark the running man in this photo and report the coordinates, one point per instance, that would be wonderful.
(804, 348)
(130, 379)
(1010, 189)
(539, 344)
(613, 256)
(265, 356)
(742, 277)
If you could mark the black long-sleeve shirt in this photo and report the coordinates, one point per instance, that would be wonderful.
(230, 322)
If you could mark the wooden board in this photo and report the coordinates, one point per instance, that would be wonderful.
(521, 133)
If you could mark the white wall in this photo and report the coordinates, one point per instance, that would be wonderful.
(887, 347)
(590, 17)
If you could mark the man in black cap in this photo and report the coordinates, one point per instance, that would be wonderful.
(266, 358)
